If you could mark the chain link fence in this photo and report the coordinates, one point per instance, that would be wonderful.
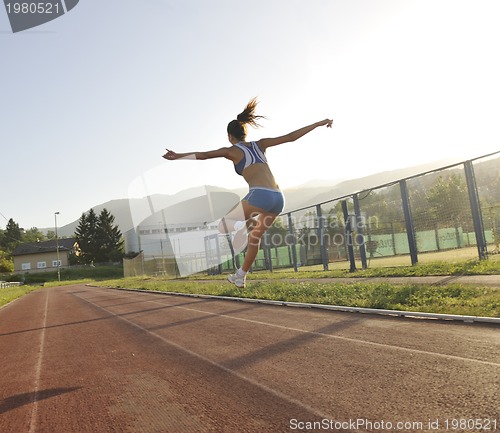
(448, 214)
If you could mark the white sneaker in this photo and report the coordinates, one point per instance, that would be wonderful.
(237, 280)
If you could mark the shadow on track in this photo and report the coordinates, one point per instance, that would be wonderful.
(19, 400)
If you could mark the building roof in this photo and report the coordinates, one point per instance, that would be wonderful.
(66, 244)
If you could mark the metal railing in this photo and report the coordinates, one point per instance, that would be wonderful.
(445, 214)
(7, 284)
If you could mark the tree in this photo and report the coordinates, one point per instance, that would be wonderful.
(99, 238)
(11, 237)
(110, 238)
(6, 264)
(33, 235)
(448, 200)
(82, 234)
(86, 236)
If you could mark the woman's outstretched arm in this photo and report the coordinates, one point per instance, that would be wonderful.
(292, 136)
(223, 152)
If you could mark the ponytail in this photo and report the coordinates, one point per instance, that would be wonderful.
(237, 128)
(248, 116)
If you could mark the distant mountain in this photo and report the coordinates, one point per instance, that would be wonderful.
(130, 212)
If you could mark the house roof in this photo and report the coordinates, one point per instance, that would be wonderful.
(66, 244)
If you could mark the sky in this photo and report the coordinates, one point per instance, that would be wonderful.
(90, 100)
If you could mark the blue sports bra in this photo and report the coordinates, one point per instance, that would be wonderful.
(251, 155)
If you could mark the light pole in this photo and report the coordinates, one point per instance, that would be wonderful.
(57, 249)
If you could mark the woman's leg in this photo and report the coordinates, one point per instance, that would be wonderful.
(256, 229)
(241, 213)
(241, 219)
(264, 221)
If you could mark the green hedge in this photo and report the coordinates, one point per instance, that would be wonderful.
(72, 273)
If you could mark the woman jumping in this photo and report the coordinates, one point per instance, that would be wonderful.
(265, 201)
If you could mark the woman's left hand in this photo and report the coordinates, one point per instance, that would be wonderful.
(327, 122)
(170, 155)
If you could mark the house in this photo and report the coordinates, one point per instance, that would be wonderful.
(43, 256)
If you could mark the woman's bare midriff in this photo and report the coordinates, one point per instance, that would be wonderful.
(260, 175)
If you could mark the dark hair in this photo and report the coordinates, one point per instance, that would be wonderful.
(237, 128)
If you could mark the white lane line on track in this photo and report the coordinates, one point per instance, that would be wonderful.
(38, 368)
(337, 337)
(220, 366)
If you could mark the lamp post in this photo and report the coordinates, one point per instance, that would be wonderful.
(57, 249)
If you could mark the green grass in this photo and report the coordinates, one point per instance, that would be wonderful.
(435, 268)
(449, 299)
(71, 282)
(9, 294)
(76, 275)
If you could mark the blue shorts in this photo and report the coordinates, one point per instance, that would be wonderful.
(269, 200)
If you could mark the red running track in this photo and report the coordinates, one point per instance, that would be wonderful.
(83, 359)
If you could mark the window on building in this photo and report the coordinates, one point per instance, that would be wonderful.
(26, 266)
(56, 263)
(41, 265)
